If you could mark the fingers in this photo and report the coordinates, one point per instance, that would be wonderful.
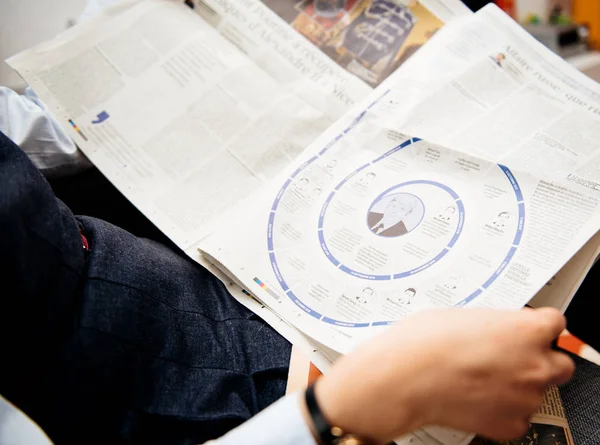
(554, 321)
(546, 324)
(562, 367)
(505, 431)
(505, 427)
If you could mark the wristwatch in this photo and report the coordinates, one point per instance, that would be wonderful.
(327, 434)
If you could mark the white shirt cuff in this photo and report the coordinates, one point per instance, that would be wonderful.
(280, 424)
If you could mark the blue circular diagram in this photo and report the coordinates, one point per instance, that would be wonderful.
(405, 204)
(399, 274)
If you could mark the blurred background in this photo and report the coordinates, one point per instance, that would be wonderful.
(24, 23)
(571, 28)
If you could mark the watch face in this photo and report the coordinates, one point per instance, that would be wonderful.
(329, 8)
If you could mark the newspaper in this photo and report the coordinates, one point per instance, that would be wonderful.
(373, 223)
(189, 111)
(151, 92)
(176, 116)
(187, 116)
(561, 288)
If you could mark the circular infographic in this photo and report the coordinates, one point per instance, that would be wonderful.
(358, 263)
(393, 214)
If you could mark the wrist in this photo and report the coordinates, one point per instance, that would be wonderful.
(332, 405)
(379, 403)
(323, 431)
(307, 417)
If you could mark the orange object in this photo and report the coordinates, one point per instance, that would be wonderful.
(313, 374)
(507, 6)
(587, 12)
(571, 343)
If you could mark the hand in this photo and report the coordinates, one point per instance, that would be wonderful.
(482, 371)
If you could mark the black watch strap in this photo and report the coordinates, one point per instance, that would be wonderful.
(322, 427)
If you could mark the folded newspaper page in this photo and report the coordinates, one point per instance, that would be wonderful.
(559, 291)
(374, 223)
(186, 114)
(177, 117)
(188, 111)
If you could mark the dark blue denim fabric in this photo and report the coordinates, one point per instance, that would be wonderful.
(136, 344)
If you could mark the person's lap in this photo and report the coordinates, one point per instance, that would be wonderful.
(135, 344)
(205, 357)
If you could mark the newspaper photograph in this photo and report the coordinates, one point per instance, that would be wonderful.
(369, 38)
